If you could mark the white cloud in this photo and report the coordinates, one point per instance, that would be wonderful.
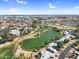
(21, 2)
(57, 2)
(76, 7)
(13, 10)
(54, 12)
(51, 6)
(10, 11)
(64, 11)
(5, 0)
(18, 11)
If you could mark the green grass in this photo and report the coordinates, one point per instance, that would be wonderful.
(6, 52)
(36, 43)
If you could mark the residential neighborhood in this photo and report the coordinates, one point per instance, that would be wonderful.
(39, 37)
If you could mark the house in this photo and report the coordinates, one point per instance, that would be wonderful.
(77, 57)
(66, 36)
(45, 55)
(50, 52)
(15, 32)
(3, 31)
(77, 52)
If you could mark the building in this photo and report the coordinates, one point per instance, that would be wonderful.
(66, 36)
(77, 52)
(50, 52)
(15, 32)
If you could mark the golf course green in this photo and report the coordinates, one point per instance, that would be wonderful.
(6, 52)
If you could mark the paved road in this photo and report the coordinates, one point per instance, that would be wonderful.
(63, 54)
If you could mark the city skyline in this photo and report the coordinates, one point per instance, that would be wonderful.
(38, 7)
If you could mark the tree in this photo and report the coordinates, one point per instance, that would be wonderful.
(35, 23)
(76, 43)
(66, 41)
(59, 45)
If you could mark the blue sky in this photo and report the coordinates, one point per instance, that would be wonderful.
(39, 7)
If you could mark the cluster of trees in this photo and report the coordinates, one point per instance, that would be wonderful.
(59, 46)
(65, 41)
(76, 43)
(6, 37)
(35, 23)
